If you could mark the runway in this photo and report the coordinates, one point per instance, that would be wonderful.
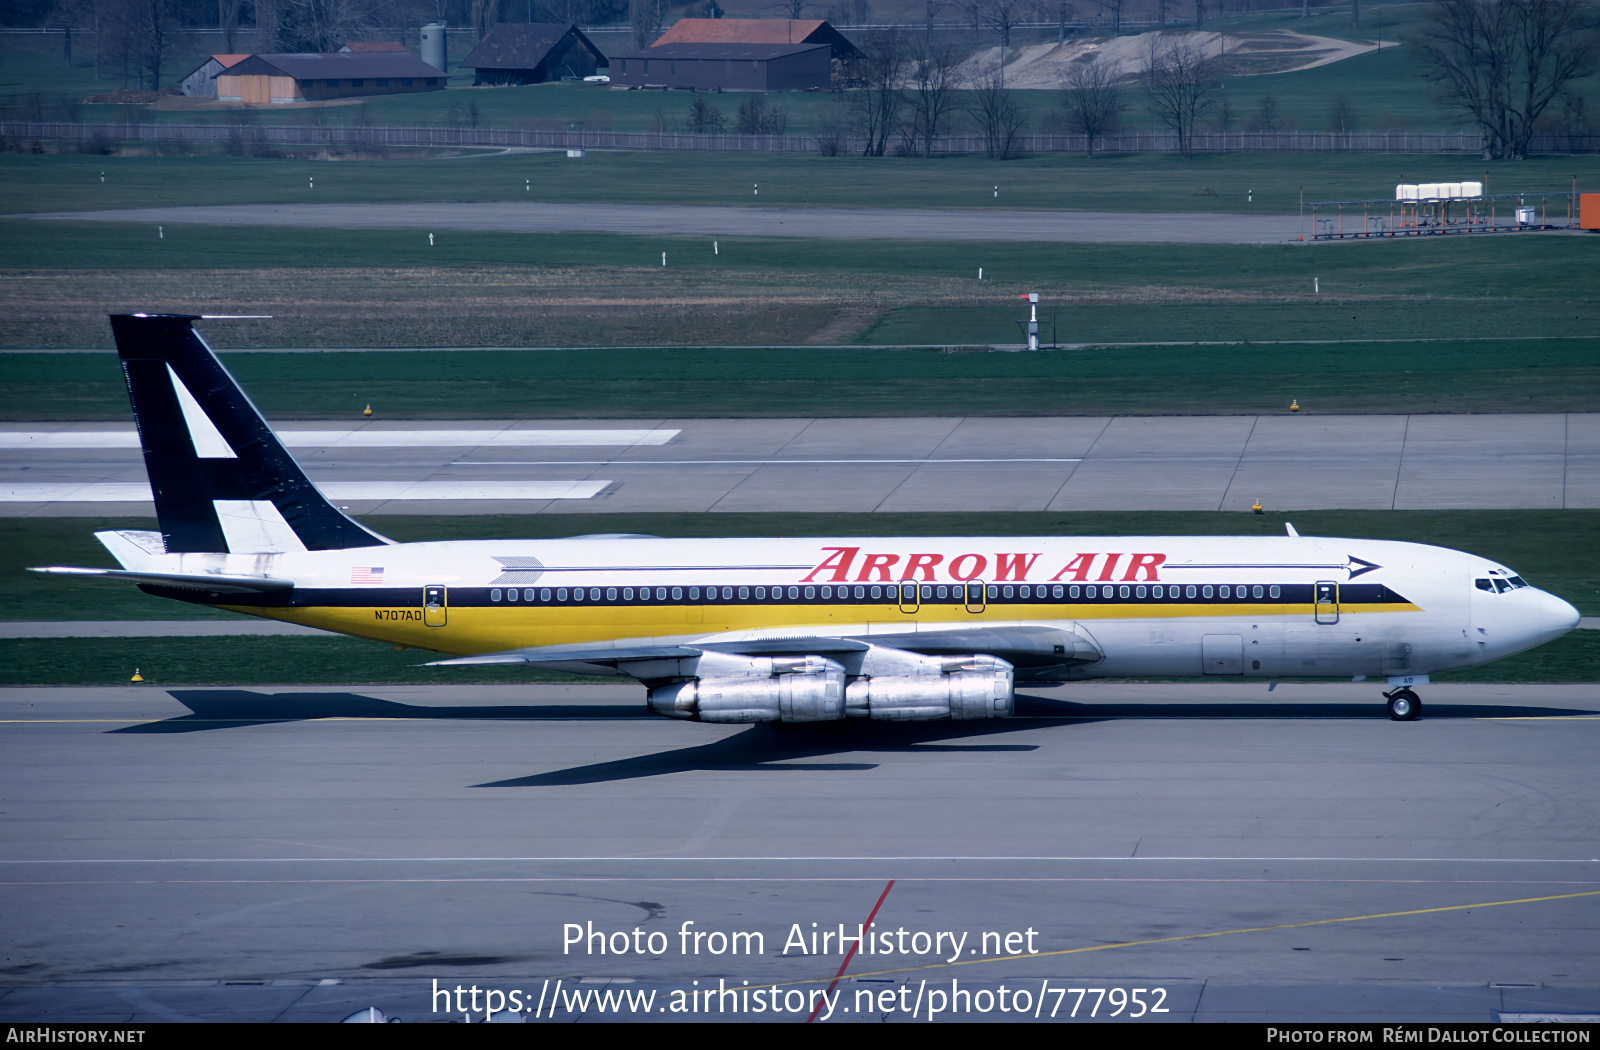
(954, 224)
(294, 854)
(1403, 462)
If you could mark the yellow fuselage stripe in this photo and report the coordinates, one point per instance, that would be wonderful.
(470, 630)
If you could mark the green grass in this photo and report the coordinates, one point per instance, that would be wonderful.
(1136, 182)
(1556, 550)
(1573, 657)
(1551, 375)
(239, 661)
(1495, 268)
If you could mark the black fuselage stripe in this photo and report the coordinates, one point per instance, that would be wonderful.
(889, 595)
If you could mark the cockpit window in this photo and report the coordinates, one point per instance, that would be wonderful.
(1484, 585)
(1502, 586)
(1518, 581)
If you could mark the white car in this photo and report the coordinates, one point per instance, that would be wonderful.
(598, 78)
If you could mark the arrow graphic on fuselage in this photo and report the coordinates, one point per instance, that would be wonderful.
(1353, 565)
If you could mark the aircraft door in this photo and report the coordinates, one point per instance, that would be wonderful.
(1325, 608)
(435, 605)
(908, 598)
(976, 602)
(1222, 654)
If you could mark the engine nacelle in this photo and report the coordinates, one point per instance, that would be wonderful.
(969, 687)
(795, 689)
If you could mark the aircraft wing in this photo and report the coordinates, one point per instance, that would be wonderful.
(1030, 649)
(1024, 647)
(191, 581)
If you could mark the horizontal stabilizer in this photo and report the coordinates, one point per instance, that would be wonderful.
(191, 581)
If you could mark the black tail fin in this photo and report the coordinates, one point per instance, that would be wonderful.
(222, 481)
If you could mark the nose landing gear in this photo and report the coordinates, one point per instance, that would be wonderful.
(1403, 705)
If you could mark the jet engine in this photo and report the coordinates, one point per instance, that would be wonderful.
(817, 689)
(798, 689)
(956, 688)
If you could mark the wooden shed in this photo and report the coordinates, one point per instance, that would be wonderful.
(725, 67)
(201, 82)
(263, 79)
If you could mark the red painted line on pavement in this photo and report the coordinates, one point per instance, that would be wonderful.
(850, 954)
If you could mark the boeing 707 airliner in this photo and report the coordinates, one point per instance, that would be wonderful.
(788, 630)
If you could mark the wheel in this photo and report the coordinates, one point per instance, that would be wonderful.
(1404, 705)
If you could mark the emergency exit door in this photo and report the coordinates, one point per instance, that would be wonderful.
(435, 605)
(1326, 604)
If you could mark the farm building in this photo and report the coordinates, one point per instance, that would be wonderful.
(760, 31)
(725, 67)
(533, 54)
(365, 46)
(340, 74)
(201, 82)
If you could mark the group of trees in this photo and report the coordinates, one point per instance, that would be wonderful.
(910, 92)
(755, 117)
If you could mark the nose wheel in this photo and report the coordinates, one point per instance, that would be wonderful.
(1403, 705)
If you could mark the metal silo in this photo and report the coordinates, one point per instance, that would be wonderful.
(435, 50)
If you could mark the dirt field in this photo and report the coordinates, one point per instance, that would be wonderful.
(1041, 66)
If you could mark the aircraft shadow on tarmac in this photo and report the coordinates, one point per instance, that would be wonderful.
(761, 747)
(230, 708)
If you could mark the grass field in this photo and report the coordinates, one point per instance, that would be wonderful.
(375, 288)
(1140, 182)
(1556, 550)
(1526, 375)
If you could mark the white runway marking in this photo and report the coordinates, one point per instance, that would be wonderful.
(107, 492)
(727, 462)
(362, 438)
(593, 859)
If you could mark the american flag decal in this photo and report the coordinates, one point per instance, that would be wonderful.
(366, 574)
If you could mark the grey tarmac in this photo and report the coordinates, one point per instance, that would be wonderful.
(955, 224)
(296, 853)
(1081, 463)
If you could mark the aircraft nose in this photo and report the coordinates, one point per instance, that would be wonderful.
(1555, 616)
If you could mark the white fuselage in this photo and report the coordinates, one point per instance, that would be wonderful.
(1170, 606)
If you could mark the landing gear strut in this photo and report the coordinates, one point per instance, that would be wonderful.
(1403, 705)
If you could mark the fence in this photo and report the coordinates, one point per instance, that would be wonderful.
(533, 138)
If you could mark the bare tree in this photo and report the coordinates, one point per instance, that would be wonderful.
(1000, 15)
(228, 21)
(1504, 61)
(1113, 8)
(485, 15)
(877, 105)
(703, 118)
(315, 25)
(140, 34)
(1199, 14)
(998, 114)
(792, 8)
(1091, 100)
(931, 85)
(1181, 84)
(1064, 10)
(645, 19)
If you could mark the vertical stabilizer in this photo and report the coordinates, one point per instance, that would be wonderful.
(221, 479)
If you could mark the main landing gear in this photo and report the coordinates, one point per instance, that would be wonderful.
(1403, 705)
